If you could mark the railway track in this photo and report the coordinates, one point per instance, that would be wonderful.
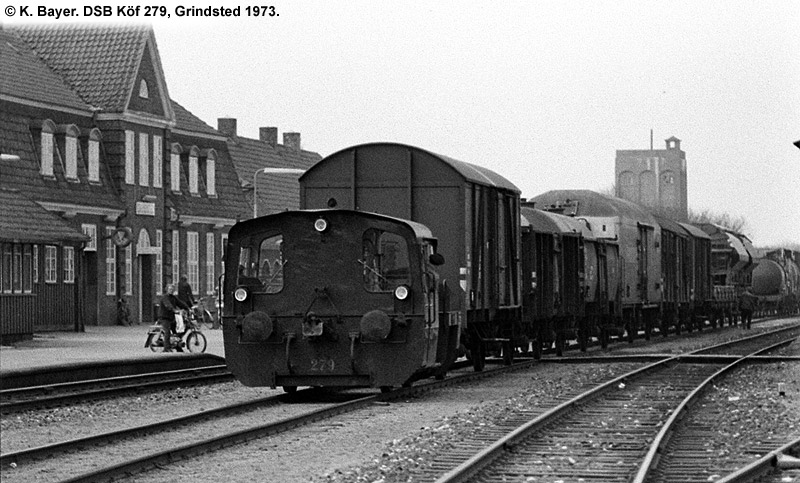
(602, 434)
(132, 447)
(65, 393)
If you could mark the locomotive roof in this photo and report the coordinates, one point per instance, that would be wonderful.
(470, 172)
(591, 203)
(420, 230)
(547, 222)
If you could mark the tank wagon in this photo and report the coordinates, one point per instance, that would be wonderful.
(776, 282)
(331, 298)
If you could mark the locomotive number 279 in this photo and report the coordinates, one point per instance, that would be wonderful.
(323, 365)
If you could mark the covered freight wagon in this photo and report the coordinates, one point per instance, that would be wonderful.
(472, 211)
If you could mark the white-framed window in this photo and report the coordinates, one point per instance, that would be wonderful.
(94, 155)
(7, 262)
(71, 151)
(158, 278)
(223, 243)
(144, 159)
(130, 167)
(158, 157)
(176, 256)
(48, 128)
(90, 231)
(192, 258)
(193, 171)
(111, 263)
(129, 269)
(50, 264)
(211, 173)
(210, 263)
(27, 269)
(36, 264)
(175, 167)
(69, 265)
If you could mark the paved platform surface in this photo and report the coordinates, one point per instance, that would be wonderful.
(95, 344)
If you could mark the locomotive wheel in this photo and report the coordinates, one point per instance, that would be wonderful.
(560, 343)
(508, 353)
(537, 349)
(478, 354)
(196, 342)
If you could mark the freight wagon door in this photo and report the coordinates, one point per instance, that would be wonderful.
(643, 255)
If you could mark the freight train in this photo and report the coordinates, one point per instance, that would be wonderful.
(401, 260)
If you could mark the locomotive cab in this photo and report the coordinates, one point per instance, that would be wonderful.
(331, 298)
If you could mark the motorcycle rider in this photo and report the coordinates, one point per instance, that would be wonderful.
(168, 306)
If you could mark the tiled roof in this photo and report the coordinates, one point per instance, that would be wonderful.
(99, 62)
(276, 192)
(23, 221)
(25, 76)
(187, 121)
(15, 138)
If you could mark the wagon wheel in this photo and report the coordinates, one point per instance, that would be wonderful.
(561, 342)
(478, 355)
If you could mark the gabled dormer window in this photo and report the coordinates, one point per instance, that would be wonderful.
(70, 151)
(94, 155)
(143, 91)
(211, 173)
(48, 129)
(193, 170)
(175, 167)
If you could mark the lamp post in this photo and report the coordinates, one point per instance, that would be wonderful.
(269, 171)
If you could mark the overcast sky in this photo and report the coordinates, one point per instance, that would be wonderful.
(543, 92)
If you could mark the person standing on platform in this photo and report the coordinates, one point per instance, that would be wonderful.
(185, 292)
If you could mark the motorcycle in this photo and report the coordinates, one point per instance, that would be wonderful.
(187, 333)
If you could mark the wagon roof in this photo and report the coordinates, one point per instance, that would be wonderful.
(470, 172)
(591, 203)
(670, 225)
(695, 231)
(546, 222)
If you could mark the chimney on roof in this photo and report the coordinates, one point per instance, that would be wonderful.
(292, 140)
(227, 126)
(268, 135)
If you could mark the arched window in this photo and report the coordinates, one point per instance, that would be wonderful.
(48, 129)
(175, 167)
(627, 186)
(211, 173)
(194, 153)
(71, 132)
(94, 155)
(143, 91)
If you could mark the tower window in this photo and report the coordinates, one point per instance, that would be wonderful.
(144, 93)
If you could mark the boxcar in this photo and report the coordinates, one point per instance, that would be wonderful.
(636, 232)
(473, 211)
(331, 298)
(675, 267)
(698, 278)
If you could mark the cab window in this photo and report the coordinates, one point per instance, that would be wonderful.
(262, 269)
(384, 260)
